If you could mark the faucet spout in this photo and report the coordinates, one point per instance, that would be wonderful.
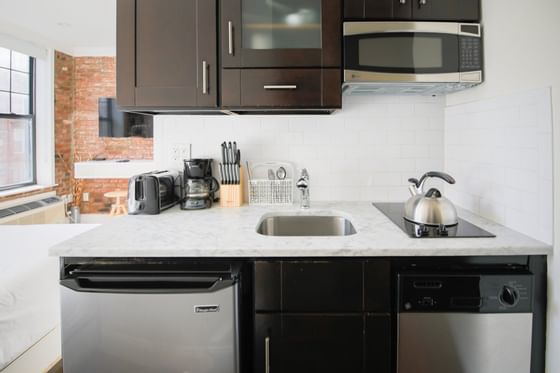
(303, 185)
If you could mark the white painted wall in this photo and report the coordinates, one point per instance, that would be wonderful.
(522, 51)
(365, 152)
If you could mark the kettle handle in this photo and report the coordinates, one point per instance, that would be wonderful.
(441, 175)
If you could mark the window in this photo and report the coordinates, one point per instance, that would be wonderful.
(17, 119)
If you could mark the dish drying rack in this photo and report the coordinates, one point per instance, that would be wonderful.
(263, 190)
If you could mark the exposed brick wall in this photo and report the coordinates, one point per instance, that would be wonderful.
(79, 83)
(64, 87)
(97, 188)
(95, 78)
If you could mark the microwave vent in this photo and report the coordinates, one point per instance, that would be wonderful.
(383, 88)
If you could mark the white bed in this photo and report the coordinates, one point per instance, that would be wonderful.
(29, 293)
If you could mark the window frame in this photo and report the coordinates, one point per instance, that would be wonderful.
(33, 117)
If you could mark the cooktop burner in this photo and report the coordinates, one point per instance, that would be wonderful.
(464, 229)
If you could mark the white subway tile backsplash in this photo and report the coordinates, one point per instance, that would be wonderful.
(365, 152)
(499, 150)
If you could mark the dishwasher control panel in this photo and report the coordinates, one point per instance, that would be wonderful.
(479, 293)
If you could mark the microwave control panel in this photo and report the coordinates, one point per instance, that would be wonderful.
(470, 53)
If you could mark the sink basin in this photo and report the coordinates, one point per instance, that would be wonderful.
(305, 225)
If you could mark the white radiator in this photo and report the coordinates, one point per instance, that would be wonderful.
(49, 210)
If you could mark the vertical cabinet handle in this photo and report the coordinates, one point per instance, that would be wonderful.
(204, 78)
(267, 355)
(230, 37)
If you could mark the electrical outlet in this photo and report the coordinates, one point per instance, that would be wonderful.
(179, 152)
(175, 154)
(85, 197)
(184, 153)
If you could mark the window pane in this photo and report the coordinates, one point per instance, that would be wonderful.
(20, 104)
(4, 57)
(4, 103)
(20, 82)
(16, 156)
(4, 79)
(20, 62)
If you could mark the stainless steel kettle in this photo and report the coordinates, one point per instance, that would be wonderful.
(430, 208)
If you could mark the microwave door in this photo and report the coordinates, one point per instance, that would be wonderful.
(412, 56)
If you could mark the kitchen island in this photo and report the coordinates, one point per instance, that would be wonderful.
(300, 303)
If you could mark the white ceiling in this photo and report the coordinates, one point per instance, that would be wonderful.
(78, 27)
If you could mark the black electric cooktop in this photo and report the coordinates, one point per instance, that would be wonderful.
(464, 229)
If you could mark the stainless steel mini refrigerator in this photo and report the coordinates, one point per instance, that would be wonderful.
(148, 317)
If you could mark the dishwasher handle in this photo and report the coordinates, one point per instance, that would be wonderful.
(159, 284)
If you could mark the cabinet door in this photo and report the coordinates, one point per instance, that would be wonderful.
(309, 286)
(378, 344)
(377, 9)
(446, 10)
(435, 10)
(165, 57)
(377, 285)
(469, 10)
(280, 33)
(388, 9)
(304, 344)
(353, 9)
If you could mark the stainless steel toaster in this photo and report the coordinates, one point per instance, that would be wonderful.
(151, 193)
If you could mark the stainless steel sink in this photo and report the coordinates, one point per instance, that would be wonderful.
(305, 225)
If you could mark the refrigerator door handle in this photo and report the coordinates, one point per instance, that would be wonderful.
(146, 284)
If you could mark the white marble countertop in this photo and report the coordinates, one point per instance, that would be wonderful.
(220, 232)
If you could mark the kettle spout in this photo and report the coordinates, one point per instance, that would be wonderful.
(414, 190)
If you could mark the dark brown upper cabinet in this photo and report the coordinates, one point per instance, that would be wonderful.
(416, 10)
(281, 33)
(166, 54)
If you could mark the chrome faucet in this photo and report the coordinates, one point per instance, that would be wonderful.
(303, 185)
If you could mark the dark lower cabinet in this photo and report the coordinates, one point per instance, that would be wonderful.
(308, 343)
(415, 10)
(323, 286)
(378, 342)
(166, 54)
(322, 316)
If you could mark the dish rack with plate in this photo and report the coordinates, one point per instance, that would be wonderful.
(264, 190)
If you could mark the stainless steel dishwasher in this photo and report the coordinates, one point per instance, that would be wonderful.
(465, 323)
(147, 316)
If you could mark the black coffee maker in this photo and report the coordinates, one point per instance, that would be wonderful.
(199, 186)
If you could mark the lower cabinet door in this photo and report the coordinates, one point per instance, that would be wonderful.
(378, 344)
(308, 343)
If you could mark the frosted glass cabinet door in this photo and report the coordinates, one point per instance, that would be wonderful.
(281, 33)
(281, 24)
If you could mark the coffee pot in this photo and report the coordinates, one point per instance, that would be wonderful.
(199, 186)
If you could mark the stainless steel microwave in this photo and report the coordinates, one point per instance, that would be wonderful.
(411, 57)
